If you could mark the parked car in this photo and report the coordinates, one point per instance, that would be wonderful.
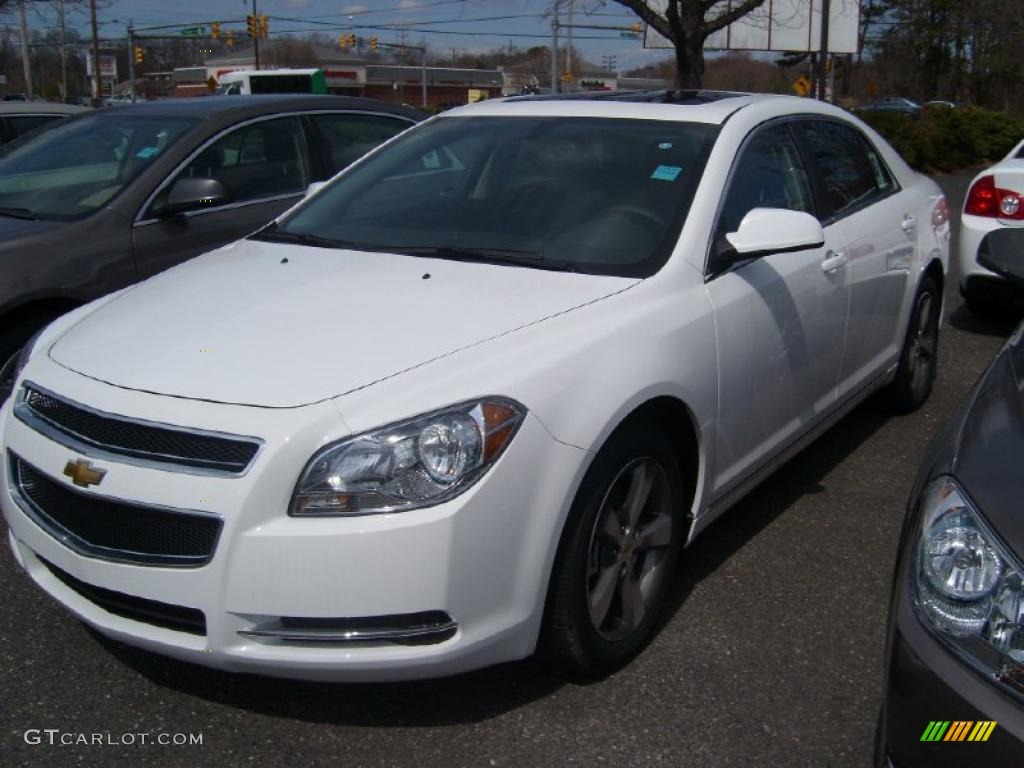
(939, 105)
(956, 626)
(114, 196)
(20, 117)
(476, 393)
(122, 99)
(995, 200)
(896, 104)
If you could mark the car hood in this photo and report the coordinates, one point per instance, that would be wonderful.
(13, 229)
(279, 325)
(990, 444)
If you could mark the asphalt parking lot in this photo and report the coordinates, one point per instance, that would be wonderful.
(772, 656)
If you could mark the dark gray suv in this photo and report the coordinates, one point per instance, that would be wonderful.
(98, 202)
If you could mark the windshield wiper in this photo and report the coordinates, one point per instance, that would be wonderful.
(301, 238)
(18, 213)
(533, 259)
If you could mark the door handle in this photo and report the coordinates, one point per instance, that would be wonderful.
(833, 261)
(909, 224)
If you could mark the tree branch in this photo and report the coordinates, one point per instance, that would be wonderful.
(736, 13)
(650, 16)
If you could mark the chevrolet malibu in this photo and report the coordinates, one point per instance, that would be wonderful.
(475, 396)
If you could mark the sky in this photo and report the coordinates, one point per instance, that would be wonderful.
(463, 25)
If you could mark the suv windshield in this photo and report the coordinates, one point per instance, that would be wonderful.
(606, 196)
(72, 169)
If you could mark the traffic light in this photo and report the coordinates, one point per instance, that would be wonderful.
(139, 54)
(251, 25)
(346, 41)
(374, 43)
(264, 25)
(215, 30)
(231, 39)
(352, 41)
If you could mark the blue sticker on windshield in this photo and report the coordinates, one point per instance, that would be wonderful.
(146, 152)
(666, 172)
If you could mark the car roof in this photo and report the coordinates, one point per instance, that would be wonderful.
(39, 108)
(698, 106)
(262, 104)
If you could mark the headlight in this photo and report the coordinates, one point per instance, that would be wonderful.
(969, 586)
(415, 463)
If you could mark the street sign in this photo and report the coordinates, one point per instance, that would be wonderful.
(802, 85)
(195, 31)
(566, 77)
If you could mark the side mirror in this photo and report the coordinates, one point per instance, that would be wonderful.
(775, 230)
(313, 188)
(190, 194)
(1002, 251)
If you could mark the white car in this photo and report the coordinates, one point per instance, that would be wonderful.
(995, 199)
(478, 392)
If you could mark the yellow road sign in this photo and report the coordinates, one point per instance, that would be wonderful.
(802, 85)
(566, 77)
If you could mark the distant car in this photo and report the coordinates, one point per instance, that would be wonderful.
(896, 104)
(955, 667)
(20, 117)
(938, 105)
(118, 194)
(120, 99)
(479, 391)
(995, 200)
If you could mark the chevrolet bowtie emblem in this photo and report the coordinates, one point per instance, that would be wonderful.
(82, 473)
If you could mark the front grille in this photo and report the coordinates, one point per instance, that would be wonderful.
(159, 614)
(97, 526)
(83, 428)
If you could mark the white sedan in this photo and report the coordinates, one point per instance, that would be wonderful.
(994, 200)
(476, 395)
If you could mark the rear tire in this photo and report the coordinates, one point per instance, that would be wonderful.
(613, 572)
(920, 354)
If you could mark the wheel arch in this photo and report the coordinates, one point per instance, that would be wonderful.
(40, 309)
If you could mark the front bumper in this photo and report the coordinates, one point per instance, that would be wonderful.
(927, 682)
(481, 560)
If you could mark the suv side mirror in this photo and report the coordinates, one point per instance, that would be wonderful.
(190, 194)
(775, 230)
(1002, 251)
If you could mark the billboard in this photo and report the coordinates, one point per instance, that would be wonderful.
(108, 66)
(777, 25)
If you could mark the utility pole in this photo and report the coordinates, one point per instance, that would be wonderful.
(554, 46)
(131, 60)
(97, 82)
(24, 51)
(423, 75)
(256, 38)
(823, 69)
(63, 55)
(568, 48)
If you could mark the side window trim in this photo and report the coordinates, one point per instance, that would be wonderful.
(787, 122)
(825, 205)
(139, 219)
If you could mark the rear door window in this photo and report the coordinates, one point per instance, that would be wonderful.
(349, 136)
(852, 172)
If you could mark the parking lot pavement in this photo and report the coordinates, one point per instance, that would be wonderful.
(772, 656)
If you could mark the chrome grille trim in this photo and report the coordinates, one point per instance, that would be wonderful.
(193, 465)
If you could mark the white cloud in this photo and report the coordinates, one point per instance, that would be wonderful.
(357, 8)
(408, 5)
(299, 3)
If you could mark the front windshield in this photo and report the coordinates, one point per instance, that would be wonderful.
(75, 168)
(600, 195)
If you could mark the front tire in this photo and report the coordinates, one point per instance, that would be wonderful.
(919, 357)
(613, 572)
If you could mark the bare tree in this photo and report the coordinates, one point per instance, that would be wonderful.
(687, 24)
